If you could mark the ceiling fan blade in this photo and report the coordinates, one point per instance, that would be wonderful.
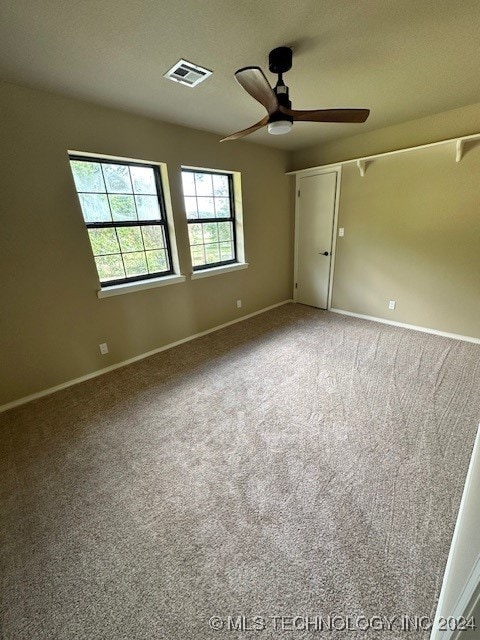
(327, 115)
(245, 132)
(255, 83)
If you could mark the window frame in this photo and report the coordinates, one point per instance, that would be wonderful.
(162, 221)
(232, 219)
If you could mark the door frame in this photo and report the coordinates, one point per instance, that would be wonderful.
(307, 173)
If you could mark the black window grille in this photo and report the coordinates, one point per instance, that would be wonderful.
(124, 210)
(210, 209)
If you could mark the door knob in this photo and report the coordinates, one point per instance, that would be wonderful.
(323, 253)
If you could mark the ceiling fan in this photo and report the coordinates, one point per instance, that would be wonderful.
(280, 115)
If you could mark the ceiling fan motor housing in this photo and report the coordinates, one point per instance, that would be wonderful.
(280, 60)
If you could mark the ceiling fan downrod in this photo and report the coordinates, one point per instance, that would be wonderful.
(279, 62)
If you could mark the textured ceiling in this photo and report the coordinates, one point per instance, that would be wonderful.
(403, 59)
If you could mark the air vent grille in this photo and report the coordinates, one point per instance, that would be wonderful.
(187, 73)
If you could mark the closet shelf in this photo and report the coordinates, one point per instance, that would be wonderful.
(459, 144)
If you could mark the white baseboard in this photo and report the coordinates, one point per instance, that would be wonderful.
(99, 372)
(404, 325)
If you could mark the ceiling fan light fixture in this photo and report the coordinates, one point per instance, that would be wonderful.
(279, 127)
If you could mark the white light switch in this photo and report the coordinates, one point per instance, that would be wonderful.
(341, 232)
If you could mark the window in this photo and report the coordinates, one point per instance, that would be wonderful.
(124, 210)
(210, 209)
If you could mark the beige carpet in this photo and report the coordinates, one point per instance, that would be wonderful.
(299, 463)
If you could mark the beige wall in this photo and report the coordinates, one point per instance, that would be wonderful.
(412, 234)
(412, 225)
(51, 319)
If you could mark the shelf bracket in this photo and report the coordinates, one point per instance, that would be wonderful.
(362, 167)
(459, 149)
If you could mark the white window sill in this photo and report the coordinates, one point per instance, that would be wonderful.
(214, 271)
(130, 287)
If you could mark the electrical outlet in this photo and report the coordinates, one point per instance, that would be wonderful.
(103, 348)
(239, 304)
(392, 304)
(341, 232)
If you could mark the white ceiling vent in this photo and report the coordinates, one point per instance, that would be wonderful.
(187, 73)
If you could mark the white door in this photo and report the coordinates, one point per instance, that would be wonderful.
(315, 236)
